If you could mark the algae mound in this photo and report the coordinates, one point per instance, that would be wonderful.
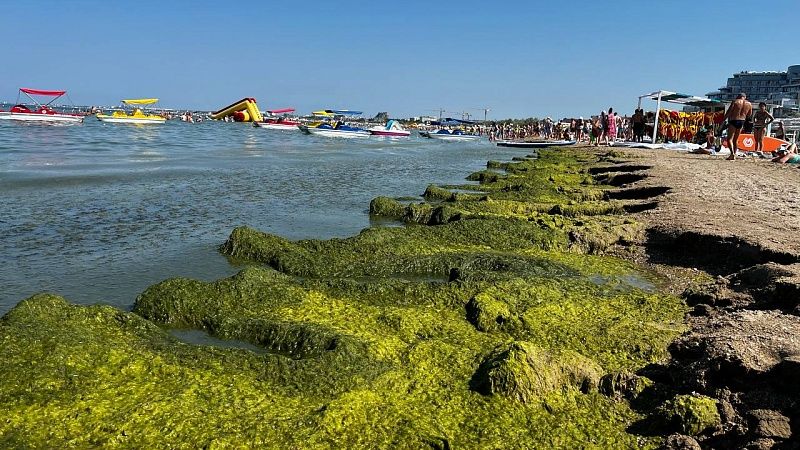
(524, 372)
(488, 313)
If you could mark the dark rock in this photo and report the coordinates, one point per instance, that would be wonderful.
(623, 385)
(738, 349)
(770, 285)
(769, 424)
(455, 275)
(715, 294)
(728, 412)
(787, 373)
(681, 442)
(703, 310)
(760, 275)
(760, 444)
(700, 295)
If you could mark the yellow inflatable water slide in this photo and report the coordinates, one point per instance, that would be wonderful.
(245, 110)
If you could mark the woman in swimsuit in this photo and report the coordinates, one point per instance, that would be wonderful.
(762, 118)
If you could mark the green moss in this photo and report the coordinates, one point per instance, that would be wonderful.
(691, 414)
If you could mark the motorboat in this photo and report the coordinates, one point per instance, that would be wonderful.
(335, 129)
(41, 112)
(445, 134)
(534, 144)
(276, 122)
(391, 129)
(136, 116)
(448, 135)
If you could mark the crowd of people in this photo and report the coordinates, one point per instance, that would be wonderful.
(608, 127)
(605, 128)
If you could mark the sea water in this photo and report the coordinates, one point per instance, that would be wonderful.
(98, 212)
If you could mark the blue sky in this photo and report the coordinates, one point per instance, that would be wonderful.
(519, 58)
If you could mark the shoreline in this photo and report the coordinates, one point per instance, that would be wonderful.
(401, 317)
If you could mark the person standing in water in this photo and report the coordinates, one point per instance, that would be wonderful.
(762, 118)
(737, 113)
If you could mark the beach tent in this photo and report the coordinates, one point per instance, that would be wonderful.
(681, 99)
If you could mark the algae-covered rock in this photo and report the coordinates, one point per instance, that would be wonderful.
(488, 313)
(418, 213)
(433, 192)
(484, 176)
(524, 372)
(444, 214)
(278, 252)
(387, 207)
(587, 209)
(690, 414)
(75, 376)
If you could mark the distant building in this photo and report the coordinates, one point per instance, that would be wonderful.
(776, 88)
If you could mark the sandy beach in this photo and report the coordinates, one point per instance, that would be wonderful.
(752, 200)
(738, 222)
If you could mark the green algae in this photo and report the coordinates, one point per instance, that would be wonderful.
(113, 379)
(556, 192)
(480, 324)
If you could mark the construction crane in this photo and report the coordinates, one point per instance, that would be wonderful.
(440, 111)
(485, 112)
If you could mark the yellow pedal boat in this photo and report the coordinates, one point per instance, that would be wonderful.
(137, 116)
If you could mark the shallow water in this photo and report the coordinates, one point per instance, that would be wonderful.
(97, 212)
(199, 337)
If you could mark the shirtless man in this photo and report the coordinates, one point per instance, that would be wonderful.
(737, 113)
